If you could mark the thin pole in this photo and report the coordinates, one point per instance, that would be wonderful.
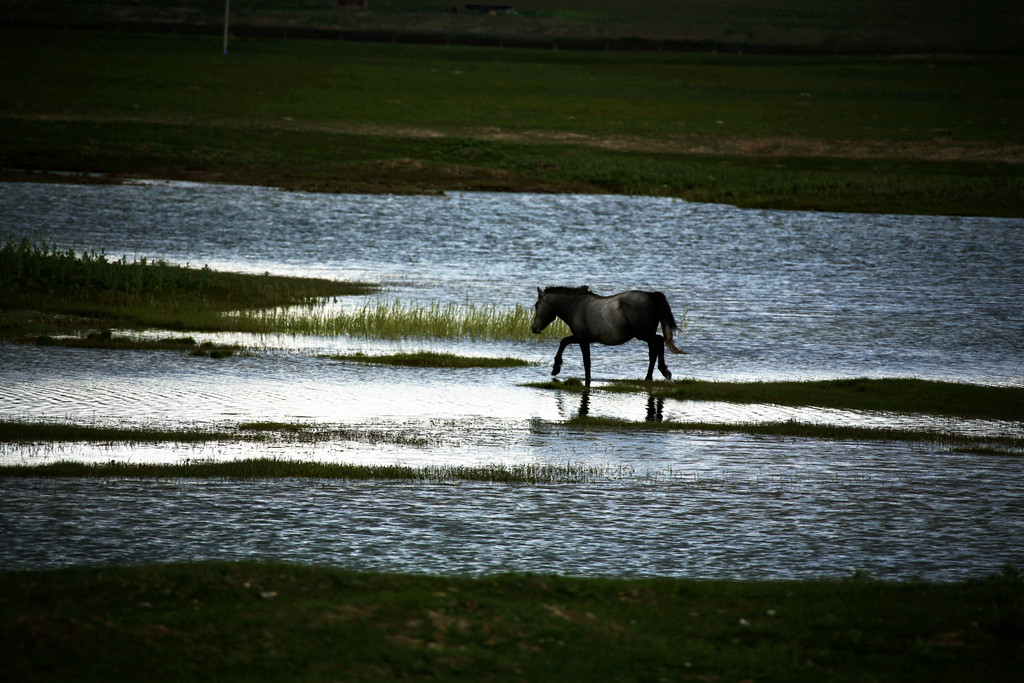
(227, 9)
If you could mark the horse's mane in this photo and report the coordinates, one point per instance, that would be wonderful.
(568, 290)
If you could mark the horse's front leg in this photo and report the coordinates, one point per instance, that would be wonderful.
(558, 356)
(585, 350)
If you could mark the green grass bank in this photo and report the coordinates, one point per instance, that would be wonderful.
(45, 290)
(935, 134)
(270, 622)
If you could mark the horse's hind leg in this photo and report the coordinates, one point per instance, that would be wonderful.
(652, 357)
(656, 354)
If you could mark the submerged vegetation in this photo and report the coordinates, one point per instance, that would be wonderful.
(23, 432)
(430, 359)
(255, 622)
(991, 445)
(106, 339)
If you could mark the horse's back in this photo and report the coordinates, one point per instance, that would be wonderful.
(620, 317)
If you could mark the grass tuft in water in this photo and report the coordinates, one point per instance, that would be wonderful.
(397, 320)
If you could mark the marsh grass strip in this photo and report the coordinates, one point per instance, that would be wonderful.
(15, 431)
(895, 395)
(23, 432)
(900, 395)
(272, 468)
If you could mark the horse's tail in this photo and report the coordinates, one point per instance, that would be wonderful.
(668, 321)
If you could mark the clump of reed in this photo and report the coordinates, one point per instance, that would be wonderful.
(398, 320)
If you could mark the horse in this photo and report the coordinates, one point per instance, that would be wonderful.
(608, 320)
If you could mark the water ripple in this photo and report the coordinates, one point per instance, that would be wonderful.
(748, 531)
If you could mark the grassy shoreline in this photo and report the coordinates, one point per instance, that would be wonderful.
(47, 291)
(249, 621)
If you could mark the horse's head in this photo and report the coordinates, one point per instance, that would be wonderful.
(543, 313)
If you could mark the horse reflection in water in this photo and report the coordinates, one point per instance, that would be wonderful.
(608, 320)
(655, 407)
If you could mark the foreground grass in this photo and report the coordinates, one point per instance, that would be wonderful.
(937, 135)
(896, 395)
(246, 621)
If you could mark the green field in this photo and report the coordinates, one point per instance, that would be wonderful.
(818, 26)
(919, 134)
(268, 622)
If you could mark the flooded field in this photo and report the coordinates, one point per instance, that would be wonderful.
(766, 295)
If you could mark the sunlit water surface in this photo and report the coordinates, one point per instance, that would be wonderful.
(766, 295)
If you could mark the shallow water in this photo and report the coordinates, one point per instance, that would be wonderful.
(773, 521)
(767, 295)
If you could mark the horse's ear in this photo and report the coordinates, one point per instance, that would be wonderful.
(540, 292)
